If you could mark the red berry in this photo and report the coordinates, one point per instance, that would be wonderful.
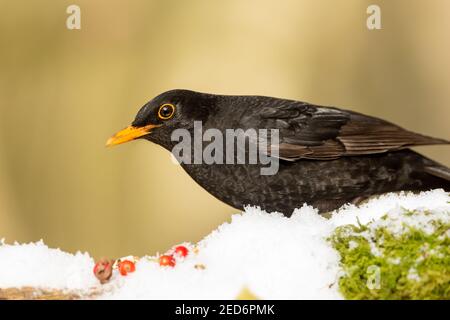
(97, 265)
(126, 267)
(166, 261)
(181, 251)
(103, 270)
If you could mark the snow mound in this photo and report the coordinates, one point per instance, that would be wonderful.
(36, 265)
(273, 256)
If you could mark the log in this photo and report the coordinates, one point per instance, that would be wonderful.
(31, 293)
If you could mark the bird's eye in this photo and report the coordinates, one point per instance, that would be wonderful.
(166, 111)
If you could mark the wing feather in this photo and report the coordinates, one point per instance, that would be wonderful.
(324, 133)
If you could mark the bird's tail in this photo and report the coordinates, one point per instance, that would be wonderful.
(439, 174)
(439, 171)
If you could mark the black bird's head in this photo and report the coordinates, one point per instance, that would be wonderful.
(156, 120)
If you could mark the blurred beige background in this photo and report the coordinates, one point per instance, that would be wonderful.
(63, 93)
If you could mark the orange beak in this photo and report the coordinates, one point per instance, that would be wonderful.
(130, 133)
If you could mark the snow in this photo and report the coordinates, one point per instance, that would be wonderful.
(36, 265)
(435, 200)
(273, 256)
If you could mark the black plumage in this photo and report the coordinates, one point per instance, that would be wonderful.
(328, 156)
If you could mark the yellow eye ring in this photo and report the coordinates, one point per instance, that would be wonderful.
(166, 111)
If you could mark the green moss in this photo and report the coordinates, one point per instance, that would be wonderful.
(410, 264)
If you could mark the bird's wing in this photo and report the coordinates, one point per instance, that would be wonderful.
(322, 133)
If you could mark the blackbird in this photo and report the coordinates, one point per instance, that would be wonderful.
(326, 156)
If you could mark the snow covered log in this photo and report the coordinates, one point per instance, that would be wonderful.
(394, 247)
(30, 293)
